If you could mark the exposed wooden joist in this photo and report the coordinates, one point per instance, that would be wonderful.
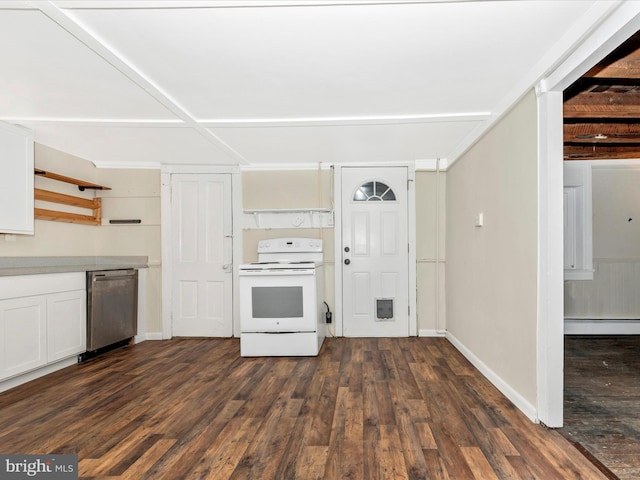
(603, 105)
(627, 68)
(602, 133)
(600, 152)
(602, 109)
(624, 62)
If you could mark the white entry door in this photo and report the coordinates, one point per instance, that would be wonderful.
(375, 258)
(202, 255)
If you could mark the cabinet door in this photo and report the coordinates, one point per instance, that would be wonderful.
(23, 335)
(66, 325)
(16, 181)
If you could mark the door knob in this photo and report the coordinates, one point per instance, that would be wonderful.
(347, 261)
(346, 249)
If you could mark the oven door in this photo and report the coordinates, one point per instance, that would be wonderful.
(278, 301)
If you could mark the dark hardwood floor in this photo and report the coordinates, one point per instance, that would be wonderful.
(602, 399)
(410, 408)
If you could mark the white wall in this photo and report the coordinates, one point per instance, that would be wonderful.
(616, 212)
(491, 271)
(134, 194)
(430, 255)
(613, 292)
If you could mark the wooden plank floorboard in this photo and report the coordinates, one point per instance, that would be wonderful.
(602, 400)
(393, 408)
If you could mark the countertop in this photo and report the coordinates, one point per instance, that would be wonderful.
(41, 265)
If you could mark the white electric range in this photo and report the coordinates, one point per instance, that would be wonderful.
(281, 299)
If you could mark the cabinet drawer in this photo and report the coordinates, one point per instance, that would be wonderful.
(29, 285)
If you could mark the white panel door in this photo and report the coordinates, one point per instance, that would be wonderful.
(375, 258)
(202, 255)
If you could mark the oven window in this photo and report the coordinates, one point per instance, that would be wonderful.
(276, 302)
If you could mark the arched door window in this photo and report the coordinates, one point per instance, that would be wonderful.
(374, 191)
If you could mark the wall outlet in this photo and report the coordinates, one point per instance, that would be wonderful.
(479, 219)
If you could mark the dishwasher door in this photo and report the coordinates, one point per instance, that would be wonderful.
(112, 307)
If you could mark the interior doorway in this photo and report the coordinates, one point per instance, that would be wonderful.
(616, 28)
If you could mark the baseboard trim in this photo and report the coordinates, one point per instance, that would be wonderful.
(518, 400)
(154, 336)
(37, 373)
(147, 336)
(425, 332)
(596, 326)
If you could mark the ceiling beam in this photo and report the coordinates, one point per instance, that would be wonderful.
(74, 28)
(166, 4)
(602, 133)
(346, 120)
(627, 68)
(602, 109)
(624, 62)
(598, 152)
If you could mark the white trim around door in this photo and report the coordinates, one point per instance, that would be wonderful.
(620, 23)
(166, 232)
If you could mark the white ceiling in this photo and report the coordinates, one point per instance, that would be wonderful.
(255, 83)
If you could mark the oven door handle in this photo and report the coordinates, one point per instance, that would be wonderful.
(279, 273)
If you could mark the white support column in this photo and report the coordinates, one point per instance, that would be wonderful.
(550, 260)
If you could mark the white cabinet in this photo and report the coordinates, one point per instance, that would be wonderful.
(42, 320)
(66, 324)
(16, 179)
(23, 343)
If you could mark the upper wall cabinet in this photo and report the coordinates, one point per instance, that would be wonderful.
(578, 234)
(16, 179)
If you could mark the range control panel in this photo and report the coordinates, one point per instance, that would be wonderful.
(291, 245)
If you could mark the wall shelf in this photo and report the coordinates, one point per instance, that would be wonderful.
(288, 218)
(82, 185)
(287, 210)
(93, 204)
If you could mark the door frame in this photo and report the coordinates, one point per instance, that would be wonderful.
(411, 235)
(166, 229)
(623, 20)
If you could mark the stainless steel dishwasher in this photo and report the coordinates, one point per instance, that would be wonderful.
(112, 307)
